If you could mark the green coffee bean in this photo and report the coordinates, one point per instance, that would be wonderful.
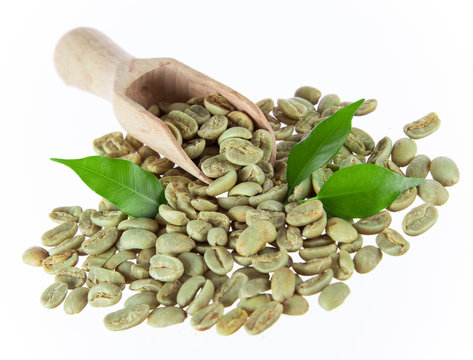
(238, 118)
(342, 265)
(418, 167)
(118, 258)
(305, 213)
(274, 217)
(207, 317)
(98, 143)
(185, 123)
(198, 229)
(246, 189)
(432, 192)
(241, 152)
(423, 127)
(34, 256)
(159, 166)
(390, 165)
(292, 108)
(218, 259)
(235, 132)
(341, 230)
(53, 264)
(217, 104)
(284, 133)
(404, 200)
(76, 301)
(217, 166)
(65, 214)
(73, 243)
(319, 177)
(189, 289)
(321, 240)
(58, 234)
(373, 224)
(318, 251)
(283, 284)
(289, 239)
(213, 127)
(263, 317)
(254, 302)
(202, 299)
(194, 148)
(309, 93)
(328, 101)
(139, 223)
(54, 295)
(145, 285)
(267, 263)
(367, 258)
(312, 267)
(404, 150)
(165, 268)
(243, 260)
(144, 297)
(265, 105)
(71, 276)
(199, 113)
(217, 237)
(216, 219)
(174, 243)
(107, 218)
(167, 294)
(315, 284)
(194, 264)
(172, 216)
(254, 287)
(381, 151)
(175, 131)
(99, 259)
(222, 184)
(139, 272)
(295, 305)
(126, 318)
(356, 144)
(98, 275)
(315, 228)
(227, 293)
(100, 241)
(253, 238)
(352, 247)
(444, 170)
(392, 243)
(262, 139)
(333, 296)
(367, 107)
(104, 294)
(167, 316)
(307, 123)
(238, 213)
(125, 270)
(231, 321)
(419, 219)
(144, 256)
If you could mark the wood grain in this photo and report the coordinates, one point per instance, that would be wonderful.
(89, 60)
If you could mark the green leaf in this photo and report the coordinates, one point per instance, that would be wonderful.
(320, 146)
(135, 191)
(363, 190)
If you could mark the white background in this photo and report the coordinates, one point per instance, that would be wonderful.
(413, 56)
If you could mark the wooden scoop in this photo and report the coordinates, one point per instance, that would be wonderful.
(87, 59)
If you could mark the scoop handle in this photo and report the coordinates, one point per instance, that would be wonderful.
(87, 59)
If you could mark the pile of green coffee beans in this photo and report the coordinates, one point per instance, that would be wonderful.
(234, 241)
